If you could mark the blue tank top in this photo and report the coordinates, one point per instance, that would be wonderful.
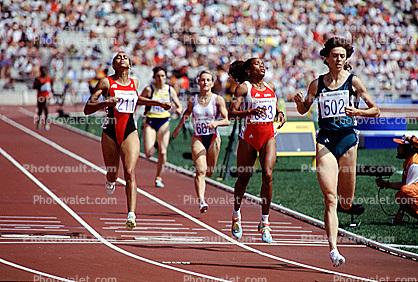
(332, 103)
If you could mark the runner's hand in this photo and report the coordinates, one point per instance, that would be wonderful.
(166, 106)
(280, 120)
(298, 98)
(260, 112)
(212, 125)
(351, 111)
(110, 102)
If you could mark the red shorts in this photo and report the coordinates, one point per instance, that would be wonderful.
(257, 135)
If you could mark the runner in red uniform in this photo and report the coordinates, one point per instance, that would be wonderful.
(43, 84)
(256, 104)
(120, 137)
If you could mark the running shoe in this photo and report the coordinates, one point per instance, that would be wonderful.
(236, 228)
(47, 127)
(131, 221)
(203, 207)
(110, 187)
(336, 258)
(159, 183)
(356, 209)
(264, 229)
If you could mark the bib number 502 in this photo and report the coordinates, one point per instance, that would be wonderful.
(334, 107)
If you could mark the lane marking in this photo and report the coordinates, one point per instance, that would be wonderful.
(154, 232)
(272, 226)
(30, 221)
(92, 230)
(148, 223)
(33, 229)
(256, 222)
(24, 217)
(146, 228)
(28, 225)
(165, 204)
(138, 219)
(403, 246)
(275, 231)
(27, 269)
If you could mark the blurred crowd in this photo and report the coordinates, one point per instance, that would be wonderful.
(77, 38)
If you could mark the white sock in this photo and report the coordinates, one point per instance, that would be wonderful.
(236, 214)
(110, 183)
(334, 252)
(202, 202)
(264, 218)
(131, 214)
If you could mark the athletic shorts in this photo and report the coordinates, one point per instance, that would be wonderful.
(338, 142)
(257, 135)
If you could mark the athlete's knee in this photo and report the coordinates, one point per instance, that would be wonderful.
(243, 178)
(209, 171)
(149, 152)
(330, 200)
(129, 173)
(201, 171)
(163, 154)
(267, 175)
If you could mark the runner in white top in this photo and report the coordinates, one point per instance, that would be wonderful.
(205, 109)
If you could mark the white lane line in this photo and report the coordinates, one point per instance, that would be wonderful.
(256, 222)
(272, 226)
(146, 228)
(30, 221)
(90, 229)
(33, 229)
(27, 217)
(28, 225)
(146, 223)
(24, 236)
(138, 219)
(274, 231)
(40, 273)
(172, 208)
(154, 232)
(257, 234)
(403, 246)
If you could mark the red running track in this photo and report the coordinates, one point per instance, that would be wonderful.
(38, 234)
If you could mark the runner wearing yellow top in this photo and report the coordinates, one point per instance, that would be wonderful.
(156, 125)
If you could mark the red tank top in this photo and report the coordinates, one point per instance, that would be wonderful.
(126, 94)
(122, 113)
(45, 86)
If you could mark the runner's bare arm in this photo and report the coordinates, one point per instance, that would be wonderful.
(185, 116)
(234, 110)
(304, 104)
(372, 111)
(146, 92)
(93, 104)
(176, 101)
(220, 104)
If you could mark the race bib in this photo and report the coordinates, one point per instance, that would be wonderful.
(157, 109)
(126, 101)
(270, 110)
(332, 104)
(201, 127)
(46, 87)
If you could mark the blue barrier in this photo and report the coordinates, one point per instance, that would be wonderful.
(377, 133)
